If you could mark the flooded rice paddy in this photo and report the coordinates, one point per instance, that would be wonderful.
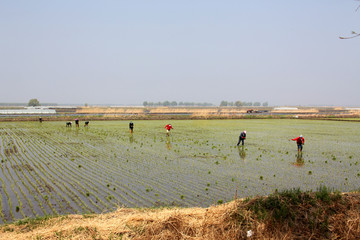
(48, 168)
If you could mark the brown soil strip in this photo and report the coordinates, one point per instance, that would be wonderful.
(312, 219)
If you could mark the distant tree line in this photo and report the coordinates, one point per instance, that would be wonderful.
(13, 104)
(205, 104)
(174, 104)
(26, 104)
(243, 103)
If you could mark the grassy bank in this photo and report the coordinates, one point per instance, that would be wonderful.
(290, 214)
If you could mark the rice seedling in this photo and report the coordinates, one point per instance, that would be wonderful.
(107, 156)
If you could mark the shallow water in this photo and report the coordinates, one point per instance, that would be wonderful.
(50, 169)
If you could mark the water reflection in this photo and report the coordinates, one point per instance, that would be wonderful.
(299, 160)
(68, 128)
(242, 152)
(168, 142)
(131, 138)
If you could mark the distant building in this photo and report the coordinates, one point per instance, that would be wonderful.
(28, 110)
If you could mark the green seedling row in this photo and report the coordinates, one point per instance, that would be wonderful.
(50, 169)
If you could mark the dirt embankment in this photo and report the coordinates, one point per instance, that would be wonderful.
(157, 113)
(288, 215)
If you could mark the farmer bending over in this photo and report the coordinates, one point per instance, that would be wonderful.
(242, 138)
(131, 127)
(300, 141)
(168, 128)
(77, 122)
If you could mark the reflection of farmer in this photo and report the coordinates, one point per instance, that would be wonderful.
(131, 127)
(242, 138)
(77, 122)
(168, 142)
(168, 128)
(242, 152)
(299, 160)
(300, 141)
(131, 138)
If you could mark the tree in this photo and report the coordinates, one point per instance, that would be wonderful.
(223, 103)
(238, 103)
(265, 104)
(257, 104)
(247, 103)
(354, 34)
(33, 102)
(145, 104)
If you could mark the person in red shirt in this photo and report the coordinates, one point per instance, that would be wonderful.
(300, 141)
(168, 128)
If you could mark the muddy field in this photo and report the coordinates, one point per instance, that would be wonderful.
(51, 169)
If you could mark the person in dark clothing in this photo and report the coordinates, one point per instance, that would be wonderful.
(131, 127)
(242, 138)
(77, 122)
(300, 141)
(40, 119)
(86, 123)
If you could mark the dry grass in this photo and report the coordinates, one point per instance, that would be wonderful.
(314, 218)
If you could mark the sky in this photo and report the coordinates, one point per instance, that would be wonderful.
(127, 52)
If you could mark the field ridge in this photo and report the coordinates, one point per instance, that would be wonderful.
(290, 214)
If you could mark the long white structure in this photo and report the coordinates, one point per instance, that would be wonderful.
(29, 110)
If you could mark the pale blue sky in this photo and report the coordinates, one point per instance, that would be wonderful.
(286, 52)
